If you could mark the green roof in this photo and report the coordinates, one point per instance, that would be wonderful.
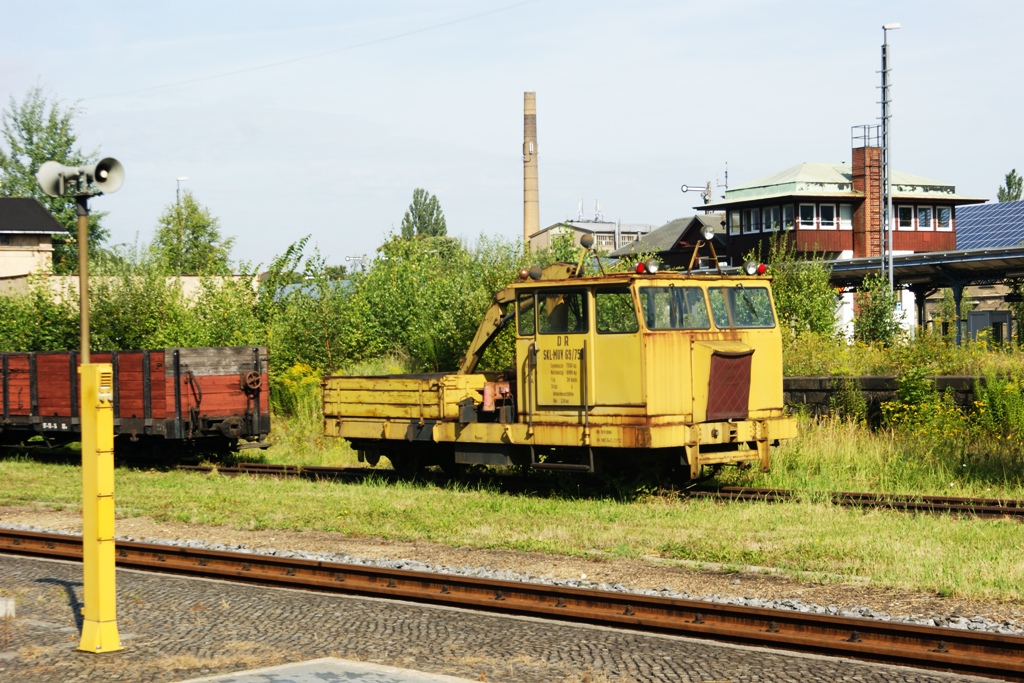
(832, 180)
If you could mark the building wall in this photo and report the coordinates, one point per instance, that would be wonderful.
(607, 236)
(66, 286)
(24, 254)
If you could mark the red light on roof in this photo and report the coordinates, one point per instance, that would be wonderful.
(641, 268)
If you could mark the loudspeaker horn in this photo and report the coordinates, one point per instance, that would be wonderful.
(107, 175)
(51, 178)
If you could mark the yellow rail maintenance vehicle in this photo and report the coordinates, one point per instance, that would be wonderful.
(612, 370)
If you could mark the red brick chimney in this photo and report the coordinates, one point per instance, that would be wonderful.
(867, 217)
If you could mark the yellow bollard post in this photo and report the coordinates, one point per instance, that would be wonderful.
(99, 630)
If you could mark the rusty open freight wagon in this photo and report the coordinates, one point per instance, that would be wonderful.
(213, 400)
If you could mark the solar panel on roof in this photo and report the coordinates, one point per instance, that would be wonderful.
(986, 226)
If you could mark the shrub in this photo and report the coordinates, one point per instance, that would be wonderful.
(847, 400)
(804, 297)
(876, 322)
(295, 391)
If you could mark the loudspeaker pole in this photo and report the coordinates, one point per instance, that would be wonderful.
(82, 210)
(99, 614)
(96, 420)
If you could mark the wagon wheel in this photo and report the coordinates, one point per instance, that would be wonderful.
(252, 380)
(406, 465)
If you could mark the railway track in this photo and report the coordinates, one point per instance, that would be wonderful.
(301, 471)
(976, 507)
(963, 652)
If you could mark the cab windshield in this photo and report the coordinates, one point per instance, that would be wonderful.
(674, 308)
(741, 307)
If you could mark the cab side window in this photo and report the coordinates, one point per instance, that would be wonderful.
(562, 312)
(524, 312)
(615, 312)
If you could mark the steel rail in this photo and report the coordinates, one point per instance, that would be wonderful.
(302, 471)
(978, 507)
(964, 652)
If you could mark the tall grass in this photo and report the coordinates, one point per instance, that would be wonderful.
(298, 421)
(810, 355)
(833, 454)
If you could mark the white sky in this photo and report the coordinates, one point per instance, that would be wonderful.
(380, 97)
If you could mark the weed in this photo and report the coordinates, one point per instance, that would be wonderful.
(847, 400)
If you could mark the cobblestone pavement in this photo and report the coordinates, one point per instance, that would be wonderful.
(178, 628)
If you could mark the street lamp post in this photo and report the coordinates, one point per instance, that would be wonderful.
(96, 418)
(361, 260)
(887, 231)
(180, 180)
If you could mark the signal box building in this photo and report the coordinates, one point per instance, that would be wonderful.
(835, 209)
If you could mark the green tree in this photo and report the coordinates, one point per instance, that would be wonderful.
(335, 272)
(876, 321)
(41, 319)
(35, 130)
(188, 240)
(424, 218)
(1011, 192)
(136, 306)
(946, 310)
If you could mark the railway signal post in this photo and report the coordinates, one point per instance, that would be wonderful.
(96, 419)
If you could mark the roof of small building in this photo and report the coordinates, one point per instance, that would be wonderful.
(26, 216)
(987, 226)
(832, 180)
(667, 236)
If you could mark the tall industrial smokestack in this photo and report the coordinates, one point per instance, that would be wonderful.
(531, 195)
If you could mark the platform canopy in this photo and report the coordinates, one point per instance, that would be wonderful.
(934, 270)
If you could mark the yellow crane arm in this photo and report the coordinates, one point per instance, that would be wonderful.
(494, 321)
(496, 317)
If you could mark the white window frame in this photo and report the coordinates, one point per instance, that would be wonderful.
(752, 221)
(831, 225)
(846, 223)
(770, 215)
(735, 221)
(789, 223)
(931, 218)
(949, 227)
(814, 221)
(899, 224)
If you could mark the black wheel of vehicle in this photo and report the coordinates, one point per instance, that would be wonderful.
(406, 465)
(452, 469)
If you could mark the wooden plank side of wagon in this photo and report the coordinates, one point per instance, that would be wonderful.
(55, 384)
